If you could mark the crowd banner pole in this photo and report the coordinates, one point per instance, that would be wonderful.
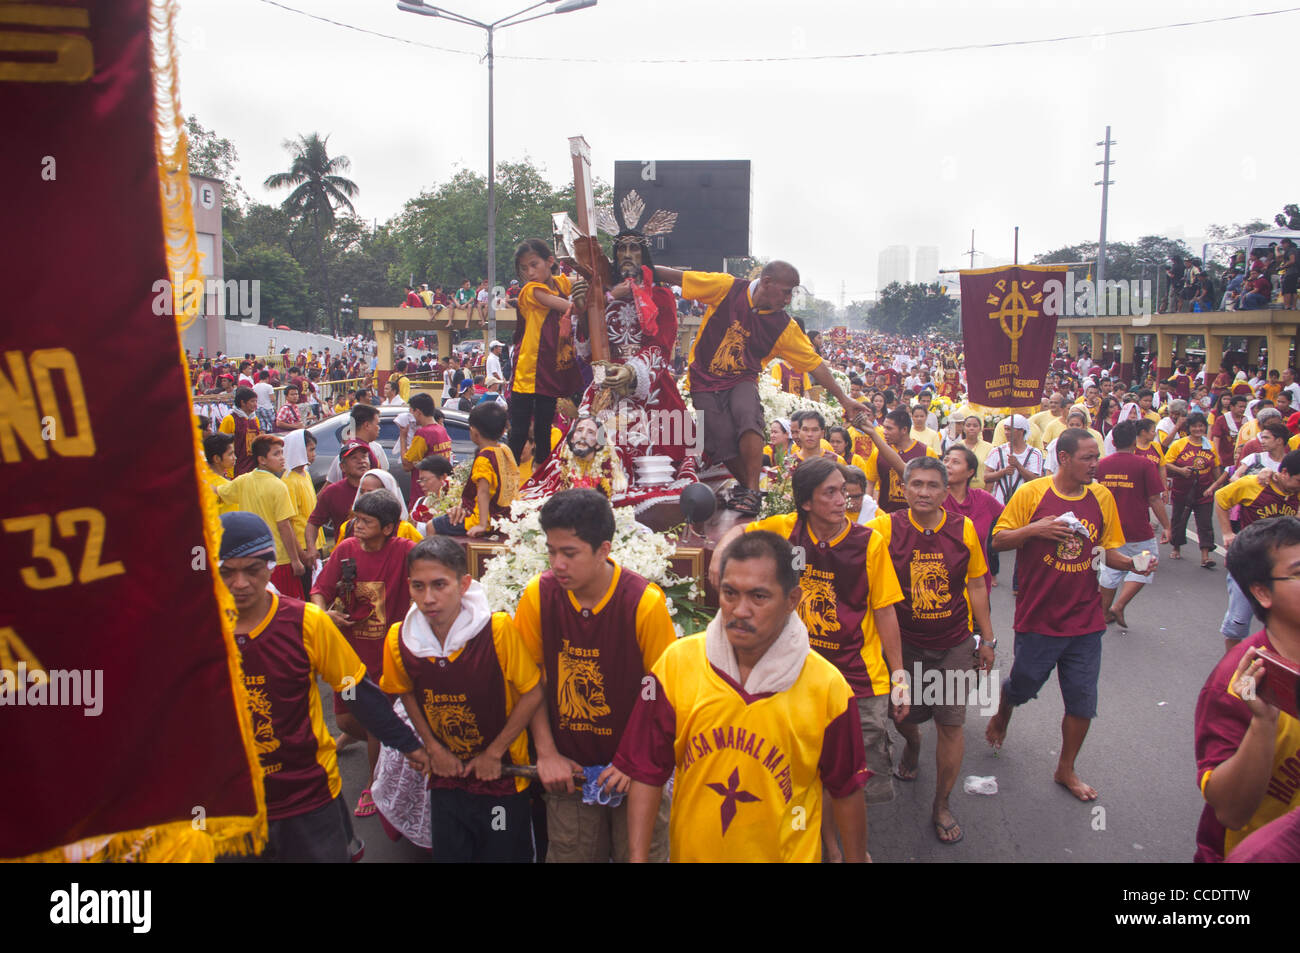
(127, 732)
(1008, 322)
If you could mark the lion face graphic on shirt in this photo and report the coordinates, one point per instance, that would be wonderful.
(817, 607)
(456, 727)
(929, 585)
(730, 356)
(263, 731)
(581, 694)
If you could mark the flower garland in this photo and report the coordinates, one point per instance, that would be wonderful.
(635, 548)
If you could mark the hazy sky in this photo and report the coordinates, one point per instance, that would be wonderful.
(849, 155)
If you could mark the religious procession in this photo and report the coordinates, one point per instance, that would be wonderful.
(639, 566)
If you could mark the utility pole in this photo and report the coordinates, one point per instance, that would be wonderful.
(1105, 183)
(971, 251)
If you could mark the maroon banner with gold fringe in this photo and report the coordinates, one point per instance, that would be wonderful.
(125, 726)
(1007, 334)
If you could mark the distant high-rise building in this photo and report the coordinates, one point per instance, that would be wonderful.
(927, 264)
(892, 266)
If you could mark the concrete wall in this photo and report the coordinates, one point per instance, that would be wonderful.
(255, 339)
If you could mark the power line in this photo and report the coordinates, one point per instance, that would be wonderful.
(874, 54)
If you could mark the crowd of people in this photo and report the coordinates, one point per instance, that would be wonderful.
(1269, 279)
(835, 615)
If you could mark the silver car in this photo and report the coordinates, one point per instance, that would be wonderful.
(329, 434)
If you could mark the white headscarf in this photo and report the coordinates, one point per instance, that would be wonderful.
(390, 484)
(295, 450)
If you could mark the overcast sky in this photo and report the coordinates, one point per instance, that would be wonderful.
(849, 156)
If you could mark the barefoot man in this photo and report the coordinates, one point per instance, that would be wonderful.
(1063, 523)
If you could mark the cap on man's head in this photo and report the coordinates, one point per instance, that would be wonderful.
(245, 536)
(495, 343)
(352, 446)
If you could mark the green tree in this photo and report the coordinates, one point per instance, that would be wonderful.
(857, 314)
(318, 190)
(283, 296)
(914, 309)
(1289, 217)
(215, 157)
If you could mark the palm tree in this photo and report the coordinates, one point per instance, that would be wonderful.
(317, 191)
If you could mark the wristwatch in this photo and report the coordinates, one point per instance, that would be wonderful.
(991, 643)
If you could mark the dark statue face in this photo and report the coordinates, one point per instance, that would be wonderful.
(628, 258)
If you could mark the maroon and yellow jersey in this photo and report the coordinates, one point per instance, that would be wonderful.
(749, 768)
(1152, 453)
(736, 340)
(282, 657)
(1221, 722)
(245, 430)
(845, 579)
(429, 440)
(467, 696)
(788, 379)
(596, 659)
(1257, 502)
(892, 498)
(933, 569)
(1132, 481)
(545, 362)
(379, 597)
(495, 465)
(1202, 458)
(1059, 594)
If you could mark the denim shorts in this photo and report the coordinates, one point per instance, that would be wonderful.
(1077, 660)
(1238, 620)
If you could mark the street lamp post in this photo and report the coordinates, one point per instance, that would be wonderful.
(427, 10)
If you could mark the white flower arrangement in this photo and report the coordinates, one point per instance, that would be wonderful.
(777, 403)
(635, 548)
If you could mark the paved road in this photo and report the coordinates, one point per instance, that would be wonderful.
(1138, 755)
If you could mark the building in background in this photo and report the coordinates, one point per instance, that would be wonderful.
(927, 264)
(892, 266)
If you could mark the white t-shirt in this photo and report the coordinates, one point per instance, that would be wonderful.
(999, 458)
(494, 366)
(265, 395)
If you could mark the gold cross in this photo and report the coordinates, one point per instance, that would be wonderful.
(1013, 313)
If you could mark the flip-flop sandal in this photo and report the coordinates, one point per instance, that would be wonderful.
(961, 834)
(897, 773)
(365, 805)
(1209, 564)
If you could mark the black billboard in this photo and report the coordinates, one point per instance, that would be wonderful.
(711, 199)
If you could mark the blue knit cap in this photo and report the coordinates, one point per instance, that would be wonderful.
(245, 536)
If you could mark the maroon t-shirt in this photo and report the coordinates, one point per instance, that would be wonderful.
(835, 594)
(892, 499)
(594, 667)
(983, 509)
(931, 568)
(278, 675)
(734, 341)
(1131, 479)
(464, 700)
(334, 504)
(381, 596)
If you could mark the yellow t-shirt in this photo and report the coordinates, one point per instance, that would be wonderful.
(749, 771)
(216, 481)
(519, 676)
(302, 493)
(405, 530)
(533, 314)
(931, 438)
(483, 470)
(263, 493)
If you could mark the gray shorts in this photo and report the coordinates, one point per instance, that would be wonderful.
(1239, 619)
(948, 710)
(727, 414)
(1111, 578)
(874, 713)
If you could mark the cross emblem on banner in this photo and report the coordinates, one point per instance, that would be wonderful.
(1013, 314)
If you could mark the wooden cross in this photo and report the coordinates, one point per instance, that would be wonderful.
(589, 259)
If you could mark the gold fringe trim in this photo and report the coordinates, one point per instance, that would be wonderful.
(181, 841)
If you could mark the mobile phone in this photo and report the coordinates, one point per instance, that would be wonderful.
(1281, 684)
